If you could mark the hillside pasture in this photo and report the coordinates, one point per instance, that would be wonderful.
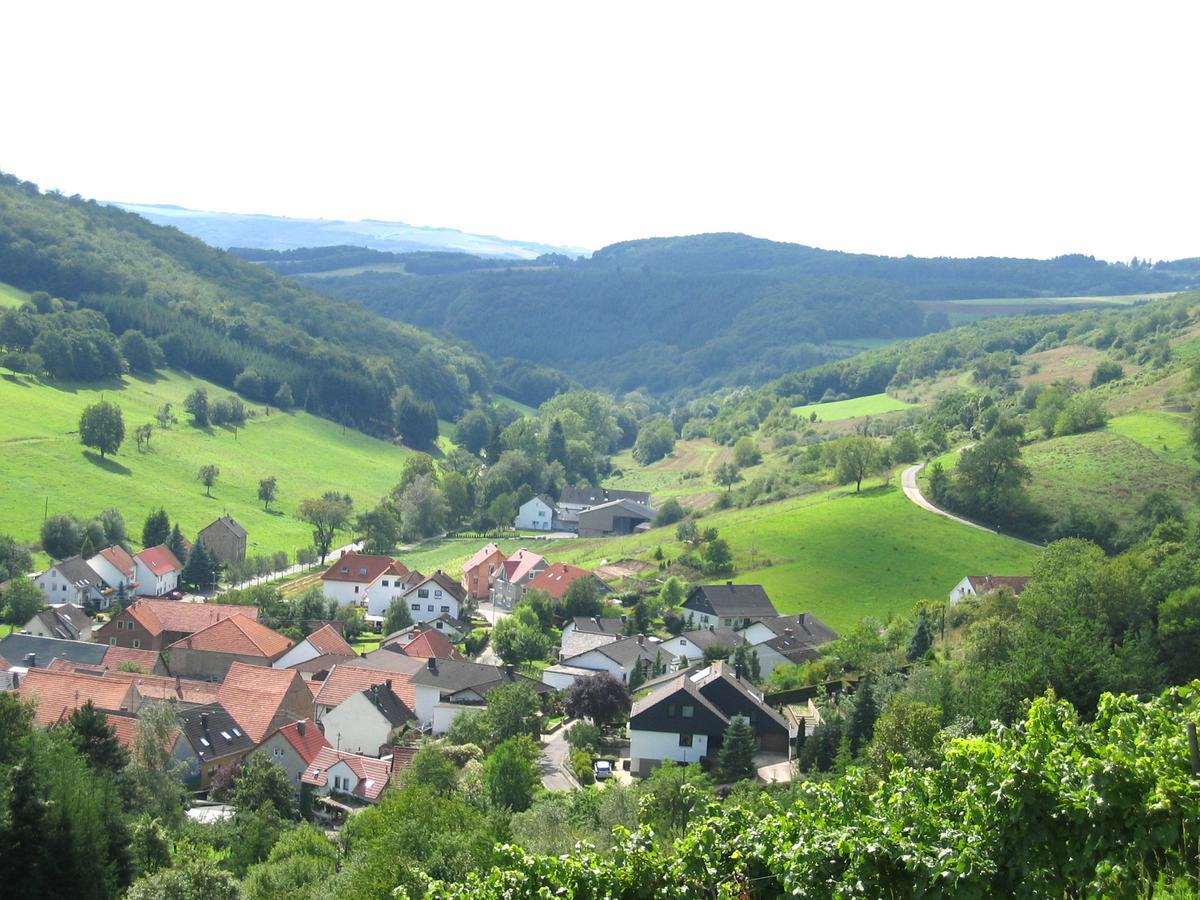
(1071, 362)
(46, 469)
(856, 407)
(963, 311)
(11, 297)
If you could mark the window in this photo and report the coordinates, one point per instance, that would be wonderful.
(685, 740)
(385, 582)
(356, 589)
(439, 624)
(688, 710)
(112, 642)
(345, 570)
(437, 594)
(136, 643)
(445, 609)
(277, 752)
(416, 607)
(429, 608)
(671, 708)
(423, 593)
(362, 570)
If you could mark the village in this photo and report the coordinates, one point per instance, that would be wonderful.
(664, 677)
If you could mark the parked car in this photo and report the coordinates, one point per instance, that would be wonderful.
(602, 769)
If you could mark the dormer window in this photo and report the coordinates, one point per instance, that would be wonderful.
(345, 570)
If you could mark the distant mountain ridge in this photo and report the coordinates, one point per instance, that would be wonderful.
(266, 232)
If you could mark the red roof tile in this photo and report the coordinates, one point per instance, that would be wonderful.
(254, 694)
(121, 560)
(429, 644)
(237, 634)
(145, 659)
(481, 556)
(372, 773)
(159, 560)
(520, 564)
(157, 616)
(306, 739)
(346, 680)
(361, 568)
(327, 641)
(58, 694)
(555, 579)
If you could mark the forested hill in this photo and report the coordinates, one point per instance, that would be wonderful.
(219, 317)
(692, 314)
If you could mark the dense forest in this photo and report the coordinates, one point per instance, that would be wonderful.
(685, 315)
(220, 317)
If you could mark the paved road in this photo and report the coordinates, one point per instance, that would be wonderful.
(554, 757)
(908, 481)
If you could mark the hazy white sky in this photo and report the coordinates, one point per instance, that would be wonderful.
(959, 129)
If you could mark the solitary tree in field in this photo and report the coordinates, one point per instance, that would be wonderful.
(165, 416)
(208, 476)
(102, 427)
(857, 457)
(727, 475)
(266, 491)
(142, 435)
(327, 514)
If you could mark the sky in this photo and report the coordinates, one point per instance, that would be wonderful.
(932, 129)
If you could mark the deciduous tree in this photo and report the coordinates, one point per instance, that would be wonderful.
(102, 427)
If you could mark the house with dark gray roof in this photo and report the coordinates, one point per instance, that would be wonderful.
(209, 738)
(684, 717)
(582, 634)
(441, 683)
(614, 517)
(691, 645)
(787, 639)
(73, 581)
(33, 652)
(729, 605)
(577, 498)
(619, 658)
(366, 721)
(65, 621)
(226, 539)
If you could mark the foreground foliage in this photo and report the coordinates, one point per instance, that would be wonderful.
(1053, 806)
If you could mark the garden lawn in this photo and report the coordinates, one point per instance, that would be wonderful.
(43, 467)
(870, 405)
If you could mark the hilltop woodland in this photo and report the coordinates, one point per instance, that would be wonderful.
(678, 317)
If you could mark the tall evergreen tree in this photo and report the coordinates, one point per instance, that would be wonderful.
(922, 638)
(735, 759)
(92, 736)
(175, 542)
(556, 444)
(157, 528)
(201, 568)
(860, 727)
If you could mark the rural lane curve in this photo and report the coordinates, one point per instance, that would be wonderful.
(908, 481)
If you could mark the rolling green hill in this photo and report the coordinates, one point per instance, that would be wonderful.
(45, 468)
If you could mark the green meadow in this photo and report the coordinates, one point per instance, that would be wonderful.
(45, 468)
(870, 405)
(11, 296)
(835, 554)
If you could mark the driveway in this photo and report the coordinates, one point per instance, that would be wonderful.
(555, 751)
(908, 481)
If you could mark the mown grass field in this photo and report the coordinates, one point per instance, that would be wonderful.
(962, 311)
(11, 296)
(1111, 471)
(834, 554)
(870, 405)
(43, 465)
(686, 473)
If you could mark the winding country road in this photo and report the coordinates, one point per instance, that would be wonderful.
(908, 482)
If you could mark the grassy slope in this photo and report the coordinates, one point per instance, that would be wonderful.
(834, 554)
(11, 296)
(871, 405)
(1110, 471)
(43, 459)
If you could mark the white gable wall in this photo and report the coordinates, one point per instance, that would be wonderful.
(356, 726)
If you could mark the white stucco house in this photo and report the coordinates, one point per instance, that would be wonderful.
(156, 571)
(436, 596)
(72, 581)
(116, 567)
(536, 514)
(978, 585)
(359, 579)
(366, 720)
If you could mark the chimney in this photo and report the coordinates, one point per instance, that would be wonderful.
(388, 684)
(641, 639)
(787, 632)
(31, 660)
(300, 728)
(510, 670)
(737, 671)
(432, 664)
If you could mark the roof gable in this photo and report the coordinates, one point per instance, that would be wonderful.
(328, 641)
(78, 573)
(305, 738)
(482, 555)
(254, 694)
(118, 558)
(226, 523)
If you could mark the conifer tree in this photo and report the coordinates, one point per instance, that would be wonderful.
(735, 759)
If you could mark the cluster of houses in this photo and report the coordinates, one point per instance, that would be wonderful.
(342, 724)
(588, 512)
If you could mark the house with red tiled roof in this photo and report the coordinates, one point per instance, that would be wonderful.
(294, 747)
(346, 680)
(58, 694)
(347, 775)
(422, 643)
(209, 652)
(263, 699)
(438, 595)
(144, 661)
(156, 571)
(353, 576)
(116, 567)
(479, 570)
(325, 641)
(146, 688)
(557, 577)
(518, 570)
(367, 720)
(148, 624)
